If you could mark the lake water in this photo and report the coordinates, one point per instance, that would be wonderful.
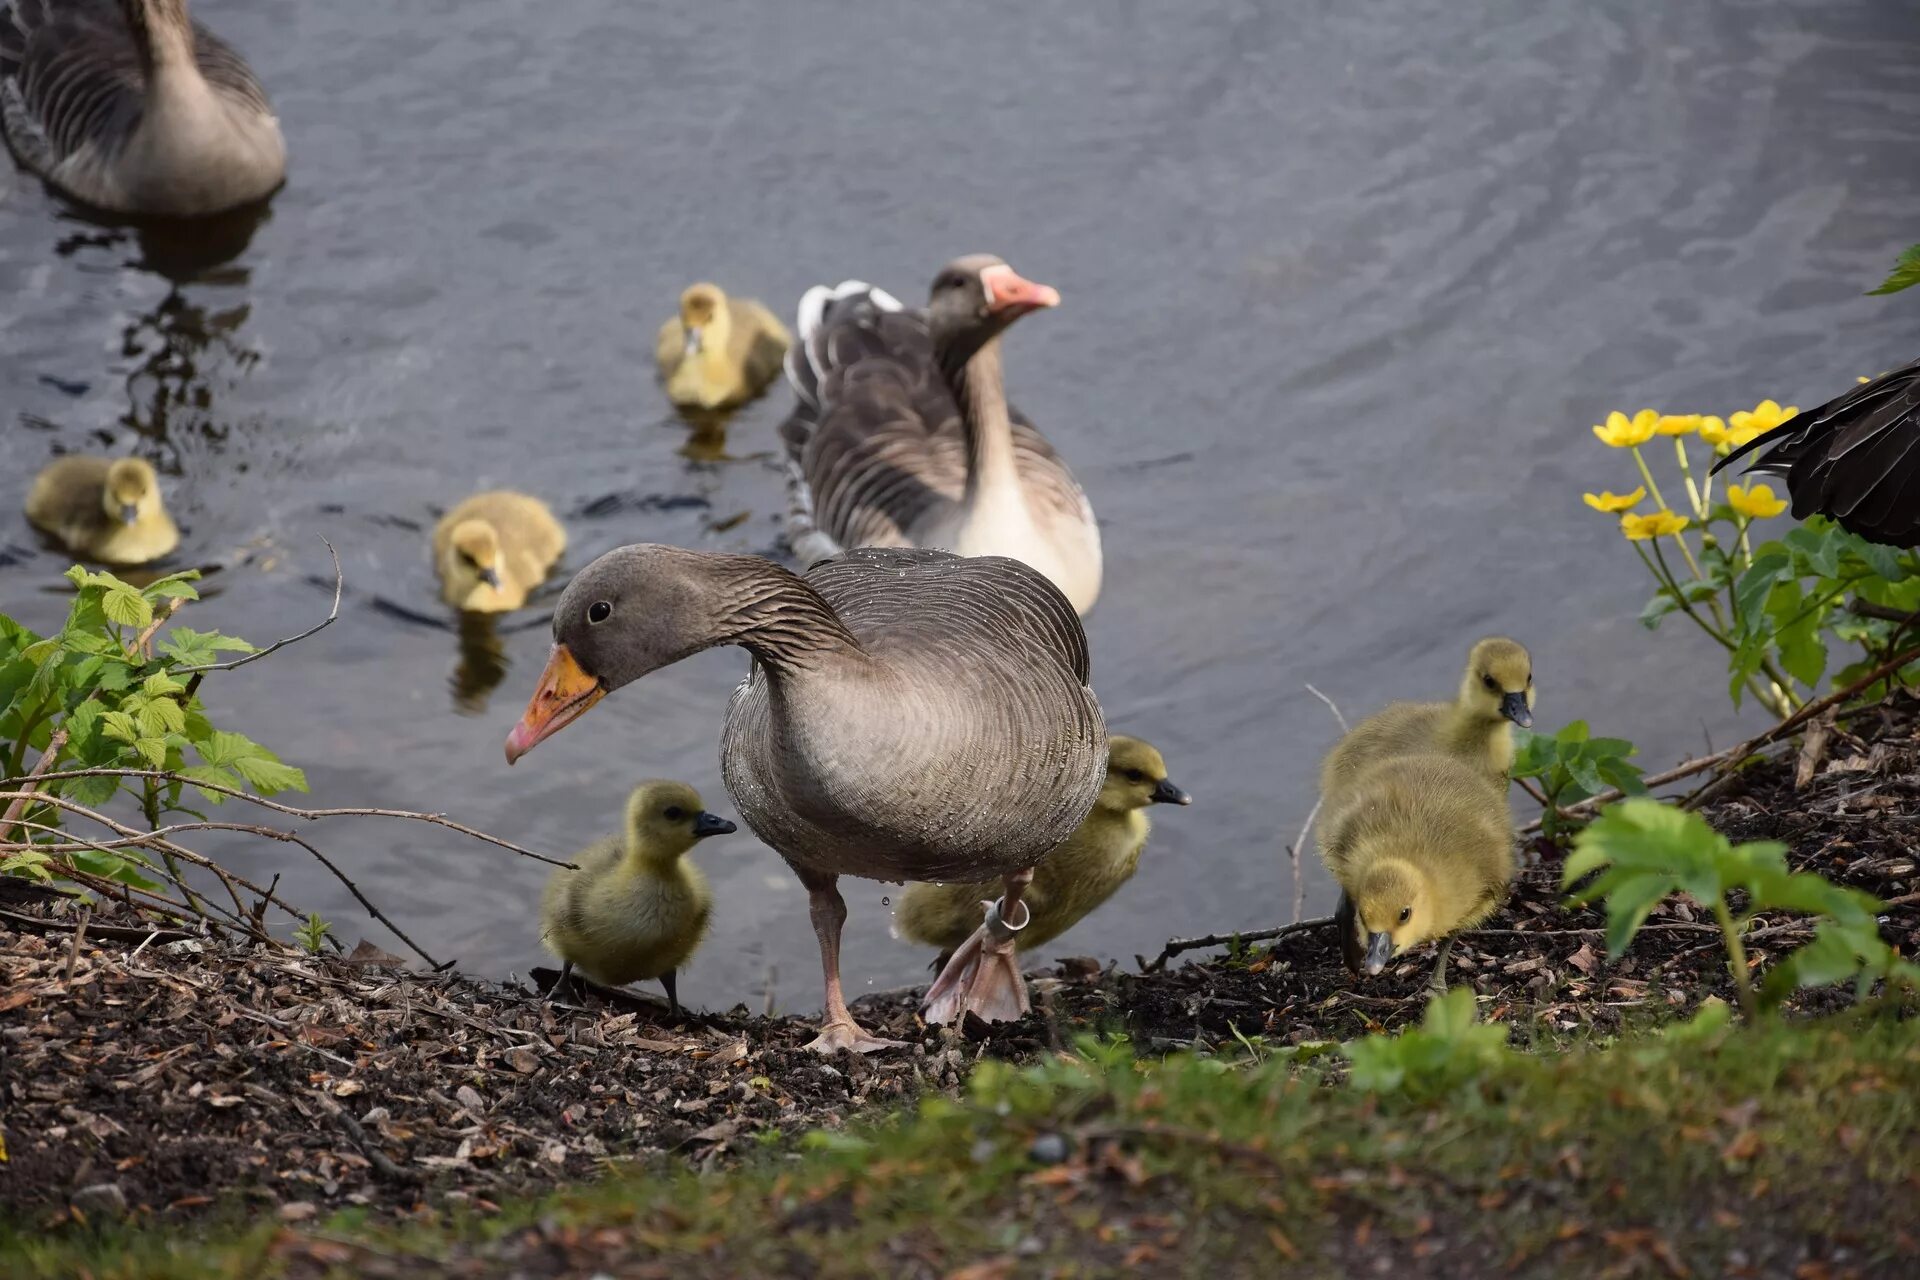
(1344, 287)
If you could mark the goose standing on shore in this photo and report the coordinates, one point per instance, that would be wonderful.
(902, 435)
(131, 107)
(909, 715)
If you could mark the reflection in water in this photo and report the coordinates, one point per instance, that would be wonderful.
(706, 434)
(183, 251)
(172, 343)
(482, 664)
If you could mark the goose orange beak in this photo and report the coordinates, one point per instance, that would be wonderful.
(1007, 290)
(565, 694)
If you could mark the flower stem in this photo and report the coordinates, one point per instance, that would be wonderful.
(1693, 492)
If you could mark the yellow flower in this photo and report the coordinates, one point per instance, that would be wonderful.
(1759, 420)
(1754, 501)
(1713, 430)
(1658, 525)
(1623, 432)
(1611, 502)
(1677, 424)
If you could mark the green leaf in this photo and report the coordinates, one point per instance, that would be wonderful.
(127, 607)
(173, 586)
(1750, 593)
(1659, 606)
(218, 777)
(152, 750)
(1905, 274)
(192, 648)
(268, 775)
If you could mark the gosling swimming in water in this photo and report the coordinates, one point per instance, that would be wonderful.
(493, 549)
(1073, 880)
(105, 509)
(719, 351)
(1422, 847)
(636, 909)
(1476, 728)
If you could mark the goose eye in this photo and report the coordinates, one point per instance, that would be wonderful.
(673, 813)
(1406, 914)
(599, 611)
(1488, 681)
(1134, 775)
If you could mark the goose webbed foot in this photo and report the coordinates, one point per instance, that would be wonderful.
(849, 1036)
(982, 977)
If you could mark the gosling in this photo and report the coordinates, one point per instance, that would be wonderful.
(1422, 847)
(105, 509)
(636, 908)
(1476, 728)
(493, 549)
(719, 352)
(1070, 882)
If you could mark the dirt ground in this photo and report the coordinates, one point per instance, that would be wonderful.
(165, 1077)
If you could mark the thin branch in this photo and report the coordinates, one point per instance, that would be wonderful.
(1738, 754)
(34, 777)
(1331, 706)
(1293, 856)
(138, 650)
(313, 815)
(120, 933)
(1178, 945)
(257, 654)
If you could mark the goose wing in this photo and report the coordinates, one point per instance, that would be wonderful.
(1855, 459)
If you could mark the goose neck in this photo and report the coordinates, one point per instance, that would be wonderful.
(777, 617)
(980, 390)
(163, 35)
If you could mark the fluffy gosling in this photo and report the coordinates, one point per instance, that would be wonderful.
(1071, 881)
(1422, 847)
(493, 549)
(636, 908)
(105, 509)
(719, 351)
(1476, 728)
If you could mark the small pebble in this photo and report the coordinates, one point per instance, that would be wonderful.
(1048, 1148)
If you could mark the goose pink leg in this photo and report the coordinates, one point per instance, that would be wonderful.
(983, 975)
(838, 1030)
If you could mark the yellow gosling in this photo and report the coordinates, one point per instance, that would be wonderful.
(1422, 847)
(635, 909)
(1073, 880)
(493, 549)
(719, 351)
(104, 509)
(1476, 728)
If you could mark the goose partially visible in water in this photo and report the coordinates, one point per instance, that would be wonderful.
(903, 437)
(909, 715)
(719, 352)
(131, 107)
(1855, 459)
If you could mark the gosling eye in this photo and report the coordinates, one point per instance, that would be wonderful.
(673, 813)
(1133, 775)
(1406, 914)
(1490, 683)
(599, 611)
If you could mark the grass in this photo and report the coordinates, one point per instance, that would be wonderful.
(1783, 1149)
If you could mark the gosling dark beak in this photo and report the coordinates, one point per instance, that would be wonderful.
(491, 576)
(1164, 792)
(1379, 951)
(566, 692)
(129, 512)
(693, 339)
(1514, 707)
(711, 824)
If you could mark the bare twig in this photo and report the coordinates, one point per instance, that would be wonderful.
(1293, 856)
(34, 777)
(120, 933)
(1812, 751)
(1331, 706)
(257, 654)
(79, 937)
(138, 650)
(1178, 945)
(312, 815)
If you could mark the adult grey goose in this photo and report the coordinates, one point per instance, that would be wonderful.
(902, 435)
(131, 107)
(910, 715)
(1855, 459)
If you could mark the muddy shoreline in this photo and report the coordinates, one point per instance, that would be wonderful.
(171, 1079)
